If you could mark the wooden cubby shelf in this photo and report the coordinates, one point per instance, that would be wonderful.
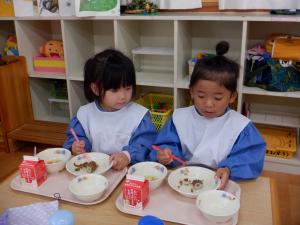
(160, 47)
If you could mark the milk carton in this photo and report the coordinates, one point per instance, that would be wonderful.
(135, 192)
(32, 171)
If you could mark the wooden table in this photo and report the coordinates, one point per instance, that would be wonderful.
(256, 205)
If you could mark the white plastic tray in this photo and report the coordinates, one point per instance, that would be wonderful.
(171, 206)
(56, 186)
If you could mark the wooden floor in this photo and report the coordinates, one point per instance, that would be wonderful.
(287, 187)
(9, 162)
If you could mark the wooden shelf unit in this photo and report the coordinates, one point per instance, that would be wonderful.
(15, 103)
(145, 40)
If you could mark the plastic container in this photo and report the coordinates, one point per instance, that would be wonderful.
(62, 217)
(160, 106)
(59, 90)
(281, 142)
(192, 62)
(150, 220)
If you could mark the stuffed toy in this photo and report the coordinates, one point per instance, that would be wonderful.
(52, 48)
(11, 47)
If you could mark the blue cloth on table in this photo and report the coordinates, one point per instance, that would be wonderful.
(34, 214)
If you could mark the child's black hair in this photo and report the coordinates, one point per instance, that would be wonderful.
(218, 68)
(109, 69)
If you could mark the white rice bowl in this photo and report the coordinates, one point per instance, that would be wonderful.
(55, 158)
(154, 172)
(217, 205)
(88, 187)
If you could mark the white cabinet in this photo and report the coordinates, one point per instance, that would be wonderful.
(82, 39)
(160, 47)
(31, 34)
(273, 108)
(193, 37)
(150, 43)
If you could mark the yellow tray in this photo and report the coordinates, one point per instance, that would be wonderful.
(281, 142)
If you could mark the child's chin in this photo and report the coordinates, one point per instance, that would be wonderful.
(118, 107)
(209, 115)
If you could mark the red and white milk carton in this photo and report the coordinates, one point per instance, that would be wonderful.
(32, 171)
(135, 192)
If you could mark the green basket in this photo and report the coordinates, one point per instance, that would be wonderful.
(160, 107)
(59, 90)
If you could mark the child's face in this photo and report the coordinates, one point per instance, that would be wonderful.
(115, 99)
(210, 98)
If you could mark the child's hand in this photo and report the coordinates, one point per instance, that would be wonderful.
(164, 156)
(78, 147)
(223, 174)
(119, 161)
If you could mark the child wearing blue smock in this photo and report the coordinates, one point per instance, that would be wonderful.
(111, 123)
(209, 132)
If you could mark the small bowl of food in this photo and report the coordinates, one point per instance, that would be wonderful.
(92, 162)
(88, 187)
(55, 158)
(154, 172)
(218, 206)
(192, 180)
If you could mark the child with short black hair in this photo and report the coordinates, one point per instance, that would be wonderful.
(209, 132)
(111, 123)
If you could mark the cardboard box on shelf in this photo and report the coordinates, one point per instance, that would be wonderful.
(49, 64)
(66, 7)
(25, 8)
(6, 8)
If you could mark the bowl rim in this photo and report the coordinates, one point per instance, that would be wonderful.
(164, 174)
(218, 215)
(89, 153)
(64, 160)
(193, 195)
(94, 175)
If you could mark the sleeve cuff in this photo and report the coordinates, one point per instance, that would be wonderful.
(128, 155)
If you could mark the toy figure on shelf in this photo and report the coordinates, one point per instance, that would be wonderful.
(52, 48)
(51, 59)
(141, 7)
(11, 47)
(192, 62)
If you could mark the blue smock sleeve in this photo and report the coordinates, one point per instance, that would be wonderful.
(141, 140)
(75, 124)
(246, 158)
(168, 138)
